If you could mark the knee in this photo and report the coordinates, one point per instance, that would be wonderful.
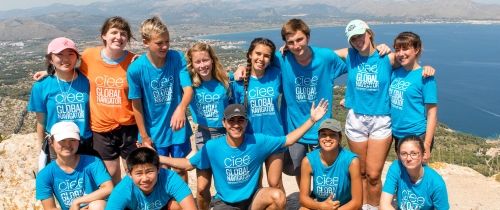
(278, 198)
(373, 178)
(203, 191)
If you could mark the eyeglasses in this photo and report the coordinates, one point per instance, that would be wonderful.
(413, 155)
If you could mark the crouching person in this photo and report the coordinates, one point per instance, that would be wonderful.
(335, 172)
(236, 160)
(76, 181)
(148, 186)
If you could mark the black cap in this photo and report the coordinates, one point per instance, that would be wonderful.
(235, 110)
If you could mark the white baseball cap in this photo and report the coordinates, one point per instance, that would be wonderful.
(65, 130)
(355, 27)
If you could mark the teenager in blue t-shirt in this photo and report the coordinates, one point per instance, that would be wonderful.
(211, 96)
(63, 95)
(147, 186)
(335, 173)
(74, 180)
(155, 89)
(260, 92)
(308, 75)
(413, 98)
(416, 185)
(236, 160)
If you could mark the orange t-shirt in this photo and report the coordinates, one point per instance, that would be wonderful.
(109, 104)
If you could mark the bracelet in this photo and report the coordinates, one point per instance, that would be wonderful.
(312, 120)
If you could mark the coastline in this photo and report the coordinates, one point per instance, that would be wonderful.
(327, 25)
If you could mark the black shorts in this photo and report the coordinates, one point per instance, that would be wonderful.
(293, 157)
(119, 142)
(242, 205)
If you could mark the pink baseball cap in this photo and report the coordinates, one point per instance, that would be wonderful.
(59, 44)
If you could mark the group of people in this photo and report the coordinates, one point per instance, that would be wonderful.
(277, 110)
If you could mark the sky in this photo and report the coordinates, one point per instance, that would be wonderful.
(25, 4)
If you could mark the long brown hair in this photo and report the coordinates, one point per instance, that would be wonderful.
(251, 48)
(217, 70)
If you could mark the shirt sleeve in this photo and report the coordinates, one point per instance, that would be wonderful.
(184, 76)
(36, 102)
(236, 92)
(391, 179)
(278, 57)
(176, 187)
(200, 159)
(430, 91)
(274, 143)
(44, 185)
(134, 81)
(338, 66)
(440, 196)
(120, 196)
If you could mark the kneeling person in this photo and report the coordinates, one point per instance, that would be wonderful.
(75, 180)
(335, 172)
(236, 161)
(148, 186)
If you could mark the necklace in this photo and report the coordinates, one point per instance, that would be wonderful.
(65, 93)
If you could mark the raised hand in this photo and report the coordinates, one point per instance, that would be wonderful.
(320, 110)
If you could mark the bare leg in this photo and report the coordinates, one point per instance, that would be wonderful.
(377, 153)
(113, 167)
(274, 168)
(361, 148)
(269, 198)
(204, 181)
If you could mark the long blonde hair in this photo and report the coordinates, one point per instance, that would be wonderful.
(217, 70)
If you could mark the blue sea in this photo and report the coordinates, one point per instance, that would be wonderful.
(466, 57)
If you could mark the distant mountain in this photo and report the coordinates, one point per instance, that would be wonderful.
(85, 20)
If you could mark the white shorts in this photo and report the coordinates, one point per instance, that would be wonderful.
(360, 127)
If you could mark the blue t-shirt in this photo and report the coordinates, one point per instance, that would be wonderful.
(168, 185)
(409, 93)
(303, 85)
(429, 193)
(368, 83)
(160, 90)
(88, 175)
(333, 179)
(62, 101)
(208, 104)
(236, 170)
(263, 95)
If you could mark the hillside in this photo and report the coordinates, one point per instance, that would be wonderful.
(467, 188)
(218, 16)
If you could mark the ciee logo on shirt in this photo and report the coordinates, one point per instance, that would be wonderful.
(306, 81)
(69, 98)
(259, 92)
(162, 83)
(411, 201)
(205, 98)
(109, 82)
